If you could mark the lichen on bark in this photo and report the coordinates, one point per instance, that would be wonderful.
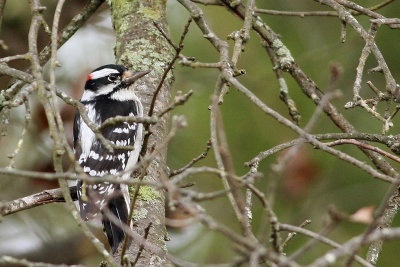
(140, 46)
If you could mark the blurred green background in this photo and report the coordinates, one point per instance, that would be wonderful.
(312, 181)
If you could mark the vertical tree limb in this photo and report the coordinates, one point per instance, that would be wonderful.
(140, 46)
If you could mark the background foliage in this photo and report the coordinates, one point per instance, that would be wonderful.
(313, 180)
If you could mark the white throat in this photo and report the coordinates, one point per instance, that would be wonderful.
(124, 95)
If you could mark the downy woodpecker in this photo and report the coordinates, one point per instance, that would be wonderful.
(107, 95)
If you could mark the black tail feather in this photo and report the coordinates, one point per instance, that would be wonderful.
(114, 232)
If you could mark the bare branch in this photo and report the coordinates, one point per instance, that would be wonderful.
(38, 199)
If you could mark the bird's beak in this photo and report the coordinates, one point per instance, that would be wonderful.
(129, 77)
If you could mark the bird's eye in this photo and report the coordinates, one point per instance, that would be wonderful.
(112, 77)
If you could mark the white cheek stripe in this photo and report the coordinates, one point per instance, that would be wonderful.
(102, 73)
(88, 95)
(105, 89)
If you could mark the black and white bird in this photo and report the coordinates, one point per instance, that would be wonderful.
(107, 95)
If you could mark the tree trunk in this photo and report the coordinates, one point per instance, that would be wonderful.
(140, 46)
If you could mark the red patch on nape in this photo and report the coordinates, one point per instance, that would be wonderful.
(89, 77)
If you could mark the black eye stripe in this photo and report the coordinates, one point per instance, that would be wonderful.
(96, 84)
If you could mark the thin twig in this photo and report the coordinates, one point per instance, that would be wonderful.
(11, 261)
(303, 14)
(146, 233)
(363, 145)
(193, 161)
(178, 49)
(319, 237)
(291, 235)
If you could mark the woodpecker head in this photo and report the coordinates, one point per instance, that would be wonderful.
(108, 80)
